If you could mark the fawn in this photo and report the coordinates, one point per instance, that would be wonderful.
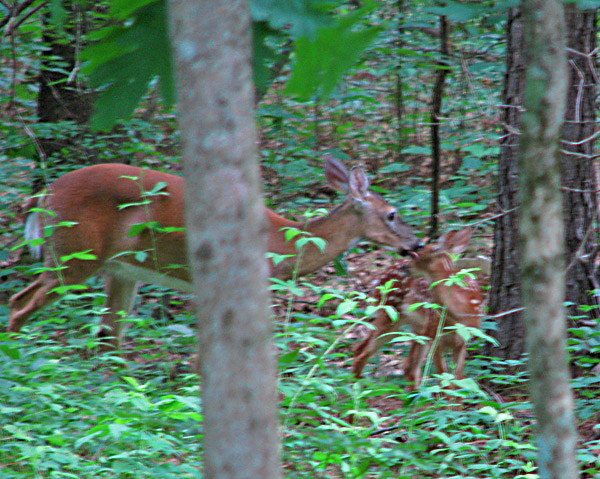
(424, 279)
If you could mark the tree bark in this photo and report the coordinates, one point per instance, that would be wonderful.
(542, 236)
(226, 237)
(505, 287)
(577, 167)
(436, 109)
(577, 177)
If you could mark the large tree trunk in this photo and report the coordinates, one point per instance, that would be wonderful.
(505, 290)
(226, 237)
(542, 236)
(577, 167)
(578, 181)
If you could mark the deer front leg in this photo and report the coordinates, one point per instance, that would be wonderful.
(120, 296)
(377, 338)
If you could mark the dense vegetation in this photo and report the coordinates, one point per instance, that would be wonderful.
(67, 412)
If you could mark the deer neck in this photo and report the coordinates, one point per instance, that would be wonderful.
(340, 228)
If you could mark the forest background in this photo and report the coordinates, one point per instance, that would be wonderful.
(88, 420)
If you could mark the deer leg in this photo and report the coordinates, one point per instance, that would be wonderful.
(459, 355)
(120, 296)
(28, 301)
(40, 293)
(416, 359)
(377, 338)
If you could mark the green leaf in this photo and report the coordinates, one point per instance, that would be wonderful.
(457, 12)
(126, 58)
(140, 256)
(291, 233)
(288, 358)
(321, 62)
(81, 255)
(471, 163)
(117, 430)
(278, 258)
(157, 189)
(136, 229)
(182, 329)
(264, 54)
(345, 307)
(65, 289)
(300, 17)
(395, 168)
(58, 13)
(318, 242)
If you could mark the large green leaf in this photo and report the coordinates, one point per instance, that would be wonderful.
(321, 62)
(263, 54)
(298, 17)
(126, 57)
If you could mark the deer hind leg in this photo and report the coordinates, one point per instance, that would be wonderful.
(120, 296)
(31, 299)
(377, 338)
(414, 364)
(41, 292)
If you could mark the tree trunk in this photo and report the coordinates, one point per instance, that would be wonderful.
(542, 236)
(505, 288)
(577, 167)
(578, 181)
(226, 237)
(60, 95)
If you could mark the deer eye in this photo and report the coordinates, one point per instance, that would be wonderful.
(391, 216)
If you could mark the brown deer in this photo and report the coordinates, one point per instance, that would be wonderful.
(425, 279)
(99, 209)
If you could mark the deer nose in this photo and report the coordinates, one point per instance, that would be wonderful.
(416, 247)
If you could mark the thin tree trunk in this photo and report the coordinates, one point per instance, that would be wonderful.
(541, 236)
(226, 237)
(436, 108)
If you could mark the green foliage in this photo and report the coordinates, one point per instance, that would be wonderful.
(66, 411)
(124, 58)
(135, 48)
(321, 61)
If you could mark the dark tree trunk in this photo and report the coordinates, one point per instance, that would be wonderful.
(577, 177)
(505, 288)
(577, 167)
(61, 95)
(436, 109)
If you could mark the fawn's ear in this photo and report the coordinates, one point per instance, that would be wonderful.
(456, 241)
(336, 174)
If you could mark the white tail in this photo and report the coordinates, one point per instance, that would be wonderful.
(413, 279)
(95, 208)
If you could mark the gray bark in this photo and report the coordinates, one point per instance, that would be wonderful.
(226, 237)
(541, 236)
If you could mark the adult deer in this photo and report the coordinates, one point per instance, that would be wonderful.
(99, 208)
(424, 279)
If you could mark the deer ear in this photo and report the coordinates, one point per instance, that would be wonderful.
(460, 240)
(336, 173)
(359, 183)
